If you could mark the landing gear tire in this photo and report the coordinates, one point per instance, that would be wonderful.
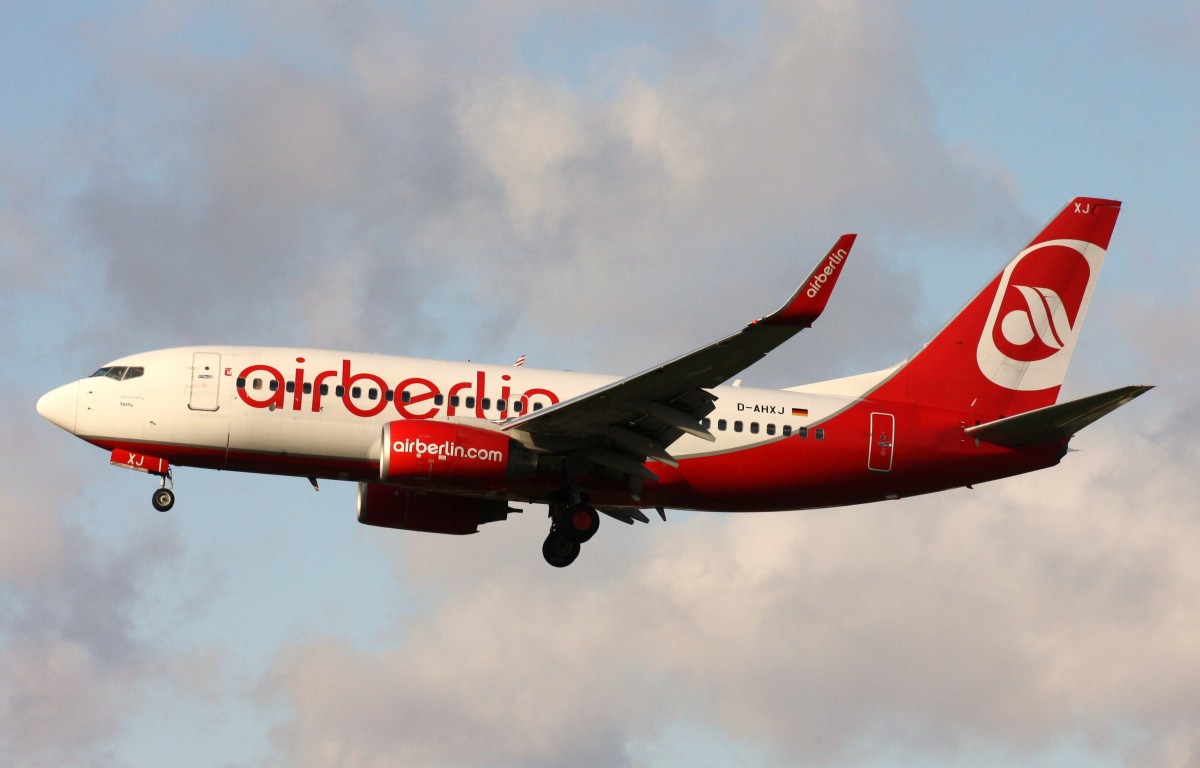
(163, 499)
(560, 549)
(581, 522)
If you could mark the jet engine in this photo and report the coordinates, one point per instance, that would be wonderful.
(390, 507)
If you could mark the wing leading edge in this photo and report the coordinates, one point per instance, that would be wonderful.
(621, 425)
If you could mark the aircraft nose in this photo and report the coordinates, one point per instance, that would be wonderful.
(58, 406)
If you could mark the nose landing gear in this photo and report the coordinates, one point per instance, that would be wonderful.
(164, 498)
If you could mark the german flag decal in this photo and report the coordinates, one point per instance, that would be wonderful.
(799, 411)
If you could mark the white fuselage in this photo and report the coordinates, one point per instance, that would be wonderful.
(321, 411)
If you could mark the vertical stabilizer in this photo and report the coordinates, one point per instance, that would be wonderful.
(1007, 351)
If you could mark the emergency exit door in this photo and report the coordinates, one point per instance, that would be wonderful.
(883, 437)
(206, 381)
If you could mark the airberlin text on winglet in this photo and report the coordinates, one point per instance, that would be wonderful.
(818, 281)
(809, 300)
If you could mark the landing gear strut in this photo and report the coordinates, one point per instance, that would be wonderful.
(571, 526)
(164, 498)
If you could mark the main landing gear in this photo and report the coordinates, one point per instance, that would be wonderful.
(164, 498)
(571, 526)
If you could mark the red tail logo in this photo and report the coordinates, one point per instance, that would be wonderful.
(1036, 314)
(1036, 320)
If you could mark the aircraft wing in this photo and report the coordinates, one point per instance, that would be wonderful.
(1054, 422)
(621, 425)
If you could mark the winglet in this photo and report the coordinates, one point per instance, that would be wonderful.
(809, 300)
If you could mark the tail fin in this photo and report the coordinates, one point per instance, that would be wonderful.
(1007, 350)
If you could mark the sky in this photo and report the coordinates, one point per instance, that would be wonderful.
(599, 186)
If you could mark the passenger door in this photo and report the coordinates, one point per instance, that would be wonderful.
(206, 381)
(883, 436)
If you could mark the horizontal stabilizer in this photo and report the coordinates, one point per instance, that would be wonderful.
(1054, 422)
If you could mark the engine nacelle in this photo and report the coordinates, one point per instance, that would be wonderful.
(391, 507)
(437, 453)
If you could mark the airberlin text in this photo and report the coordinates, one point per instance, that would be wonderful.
(420, 448)
(413, 398)
(818, 282)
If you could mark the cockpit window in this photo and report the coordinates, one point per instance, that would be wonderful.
(120, 372)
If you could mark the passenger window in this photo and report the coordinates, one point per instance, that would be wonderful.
(340, 391)
(389, 395)
(274, 385)
(405, 396)
(500, 405)
(486, 403)
(241, 382)
(438, 399)
(754, 427)
(820, 434)
(787, 430)
(538, 406)
(324, 389)
(706, 423)
(372, 394)
(770, 429)
(355, 392)
(291, 386)
(721, 425)
(470, 402)
(518, 406)
(737, 426)
(308, 387)
(454, 400)
(803, 431)
(257, 384)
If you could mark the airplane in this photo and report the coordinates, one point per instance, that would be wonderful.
(444, 447)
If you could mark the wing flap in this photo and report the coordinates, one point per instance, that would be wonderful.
(1054, 422)
(625, 515)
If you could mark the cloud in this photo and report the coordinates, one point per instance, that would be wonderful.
(73, 664)
(341, 175)
(293, 203)
(55, 703)
(33, 544)
(1050, 605)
